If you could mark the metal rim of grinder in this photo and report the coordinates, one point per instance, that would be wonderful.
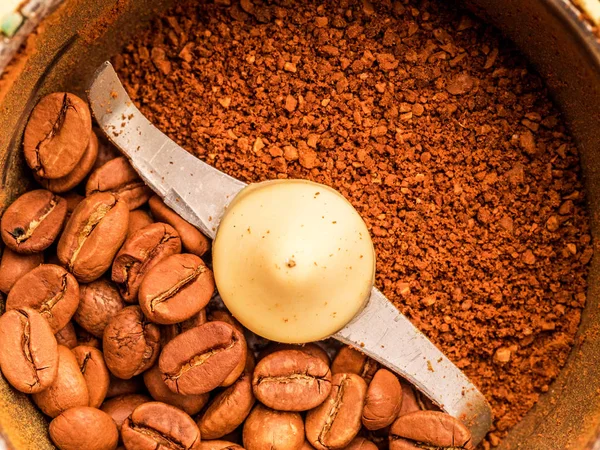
(555, 35)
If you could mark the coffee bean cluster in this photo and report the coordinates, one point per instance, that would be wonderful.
(108, 325)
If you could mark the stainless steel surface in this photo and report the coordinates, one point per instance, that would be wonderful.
(195, 190)
(200, 194)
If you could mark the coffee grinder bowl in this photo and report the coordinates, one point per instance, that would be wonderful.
(553, 34)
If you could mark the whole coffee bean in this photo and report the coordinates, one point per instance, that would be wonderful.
(68, 389)
(76, 176)
(118, 177)
(120, 408)
(66, 336)
(94, 371)
(50, 290)
(229, 408)
(33, 221)
(99, 301)
(383, 402)
(131, 344)
(118, 386)
(429, 429)
(138, 218)
(360, 443)
(350, 360)
(156, 425)
(28, 353)
(176, 288)
(291, 380)
(84, 428)
(193, 241)
(200, 359)
(93, 236)
(311, 348)
(168, 332)
(191, 404)
(267, 429)
(219, 445)
(139, 254)
(14, 265)
(335, 422)
(57, 134)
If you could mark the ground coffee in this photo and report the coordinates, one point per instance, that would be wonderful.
(435, 129)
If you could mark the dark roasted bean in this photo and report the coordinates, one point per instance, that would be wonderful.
(291, 380)
(33, 221)
(130, 343)
(50, 290)
(57, 134)
(28, 354)
(140, 253)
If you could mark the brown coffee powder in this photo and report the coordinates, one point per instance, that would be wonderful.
(436, 130)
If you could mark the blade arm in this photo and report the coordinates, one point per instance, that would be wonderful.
(196, 191)
(384, 334)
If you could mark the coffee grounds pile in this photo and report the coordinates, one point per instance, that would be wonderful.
(432, 126)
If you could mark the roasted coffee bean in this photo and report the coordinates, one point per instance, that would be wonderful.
(84, 428)
(335, 422)
(50, 290)
(93, 368)
(139, 254)
(28, 350)
(120, 408)
(131, 344)
(413, 400)
(14, 265)
(138, 218)
(99, 301)
(118, 177)
(76, 176)
(383, 402)
(291, 380)
(361, 443)
(176, 289)
(219, 445)
(118, 386)
(429, 429)
(68, 389)
(311, 348)
(229, 408)
(33, 221)
(93, 236)
(66, 336)
(57, 134)
(190, 404)
(380, 438)
(192, 239)
(168, 332)
(156, 425)
(349, 360)
(267, 429)
(200, 359)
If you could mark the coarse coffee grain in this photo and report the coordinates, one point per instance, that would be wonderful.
(436, 130)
